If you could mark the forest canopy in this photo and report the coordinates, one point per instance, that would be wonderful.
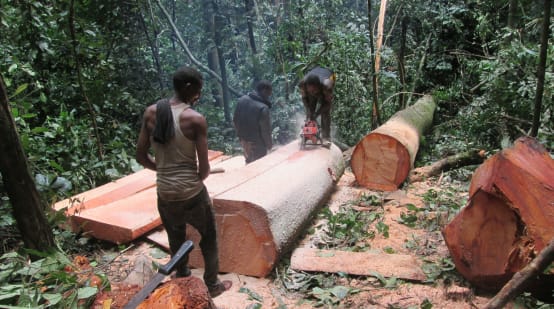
(79, 74)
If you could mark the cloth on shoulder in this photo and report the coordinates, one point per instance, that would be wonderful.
(164, 129)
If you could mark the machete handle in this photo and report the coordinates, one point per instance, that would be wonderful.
(186, 247)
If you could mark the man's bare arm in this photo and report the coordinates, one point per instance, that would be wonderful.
(201, 141)
(143, 143)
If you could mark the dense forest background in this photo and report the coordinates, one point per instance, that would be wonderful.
(79, 74)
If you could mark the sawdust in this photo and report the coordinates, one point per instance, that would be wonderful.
(248, 291)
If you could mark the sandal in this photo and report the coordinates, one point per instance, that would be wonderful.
(219, 288)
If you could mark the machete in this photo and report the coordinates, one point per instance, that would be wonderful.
(160, 275)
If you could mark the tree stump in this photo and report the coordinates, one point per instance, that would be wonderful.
(384, 157)
(509, 216)
(189, 292)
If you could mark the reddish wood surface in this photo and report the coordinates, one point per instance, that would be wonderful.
(382, 159)
(357, 263)
(509, 216)
(189, 292)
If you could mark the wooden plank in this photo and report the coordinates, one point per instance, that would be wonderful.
(400, 266)
(115, 190)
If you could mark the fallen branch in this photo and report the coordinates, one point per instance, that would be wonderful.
(519, 281)
(470, 157)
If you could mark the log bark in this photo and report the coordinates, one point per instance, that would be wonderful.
(470, 157)
(509, 216)
(521, 279)
(263, 207)
(384, 157)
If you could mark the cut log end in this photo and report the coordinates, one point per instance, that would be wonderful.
(380, 162)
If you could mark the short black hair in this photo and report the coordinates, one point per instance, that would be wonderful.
(312, 79)
(263, 85)
(186, 77)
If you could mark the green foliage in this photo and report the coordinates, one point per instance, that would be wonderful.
(444, 268)
(346, 228)
(45, 283)
(439, 209)
(331, 296)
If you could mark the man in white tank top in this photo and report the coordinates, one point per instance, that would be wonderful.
(178, 135)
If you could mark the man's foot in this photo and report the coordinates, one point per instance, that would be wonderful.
(219, 288)
(181, 273)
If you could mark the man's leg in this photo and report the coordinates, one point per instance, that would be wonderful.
(201, 216)
(326, 125)
(309, 106)
(173, 220)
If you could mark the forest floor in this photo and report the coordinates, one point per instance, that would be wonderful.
(286, 288)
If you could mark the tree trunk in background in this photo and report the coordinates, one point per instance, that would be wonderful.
(512, 12)
(189, 54)
(249, 7)
(28, 209)
(508, 218)
(91, 110)
(541, 68)
(375, 118)
(154, 47)
(401, 66)
(384, 157)
(213, 60)
(222, 66)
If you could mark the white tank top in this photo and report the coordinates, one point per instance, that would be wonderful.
(176, 167)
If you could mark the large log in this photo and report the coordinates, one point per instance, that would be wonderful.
(384, 157)
(508, 218)
(262, 208)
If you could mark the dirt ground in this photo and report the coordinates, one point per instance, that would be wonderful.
(246, 291)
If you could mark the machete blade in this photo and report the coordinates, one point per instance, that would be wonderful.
(160, 275)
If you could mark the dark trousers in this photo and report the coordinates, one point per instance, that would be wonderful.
(197, 212)
(253, 151)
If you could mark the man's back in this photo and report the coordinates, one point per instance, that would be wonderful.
(247, 118)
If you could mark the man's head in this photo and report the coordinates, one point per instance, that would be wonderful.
(312, 85)
(187, 83)
(264, 89)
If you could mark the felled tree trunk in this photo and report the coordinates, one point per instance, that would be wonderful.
(509, 216)
(384, 157)
(471, 157)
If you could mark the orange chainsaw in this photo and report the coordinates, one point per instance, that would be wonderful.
(310, 132)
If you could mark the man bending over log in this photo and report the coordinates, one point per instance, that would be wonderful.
(317, 87)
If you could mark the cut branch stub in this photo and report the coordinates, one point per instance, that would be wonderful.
(384, 157)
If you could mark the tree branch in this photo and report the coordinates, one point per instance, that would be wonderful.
(189, 53)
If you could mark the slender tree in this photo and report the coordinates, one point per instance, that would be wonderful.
(541, 68)
(222, 66)
(213, 58)
(80, 79)
(27, 207)
(375, 118)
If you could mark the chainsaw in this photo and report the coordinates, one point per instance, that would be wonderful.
(310, 132)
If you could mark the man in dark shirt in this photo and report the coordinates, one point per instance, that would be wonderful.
(253, 122)
(317, 87)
